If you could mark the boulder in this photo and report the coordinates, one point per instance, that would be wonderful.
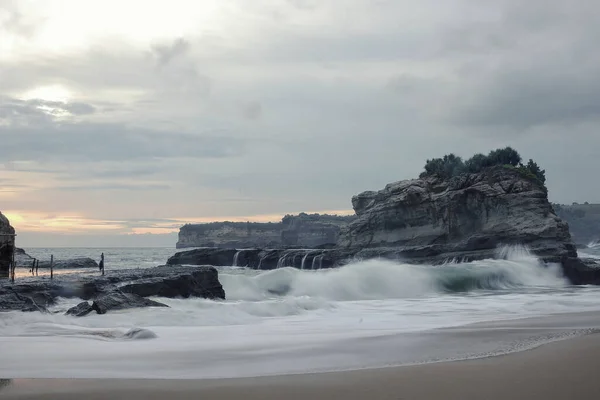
(120, 301)
(112, 301)
(140, 334)
(584, 271)
(80, 310)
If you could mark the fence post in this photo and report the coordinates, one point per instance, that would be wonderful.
(12, 267)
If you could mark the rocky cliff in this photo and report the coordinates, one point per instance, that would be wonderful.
(583, 220)
(467, 216)
(434, 220)
(229, 234)
(303, 230)
(7, 244)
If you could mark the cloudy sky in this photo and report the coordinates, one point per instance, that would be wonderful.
(121, 120)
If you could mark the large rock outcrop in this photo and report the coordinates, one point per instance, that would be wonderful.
(7, 245)
(467, 217)
(432, 220)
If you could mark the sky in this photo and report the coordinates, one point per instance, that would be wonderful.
(122, 120)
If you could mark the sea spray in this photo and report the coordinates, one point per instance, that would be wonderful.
(290, 320)
(382, 279)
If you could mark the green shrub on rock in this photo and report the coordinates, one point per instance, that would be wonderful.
(452, 165)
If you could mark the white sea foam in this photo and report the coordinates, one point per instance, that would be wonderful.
(288, 321)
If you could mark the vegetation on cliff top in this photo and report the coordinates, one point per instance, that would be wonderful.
(451, 165)
(286, 221)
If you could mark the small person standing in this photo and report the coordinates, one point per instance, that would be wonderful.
(101, 265)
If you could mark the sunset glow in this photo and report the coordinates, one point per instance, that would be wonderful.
(41, 222)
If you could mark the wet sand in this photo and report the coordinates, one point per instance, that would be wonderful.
(560, 370)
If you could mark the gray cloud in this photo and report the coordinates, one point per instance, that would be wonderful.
(14, 21)
(15, 110)
(98, 142)
(34, 134)
(114, 187)
(166, 53)
(323, 101)
(252, 110)
(532, 65)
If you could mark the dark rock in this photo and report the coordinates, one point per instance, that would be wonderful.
(172, 281)
(140, 333)
(472, 213)
(7, 245)
(582, 271)
(13, 301)
(195, 284)
(432, 220)
(205, 256)
(80, 310)
(22, 259)
(120, 301)
(112, 301)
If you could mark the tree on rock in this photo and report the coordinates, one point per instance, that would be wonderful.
(505, 156)
(447, 167)
(477, 163)
(536, 170)
(451, 165)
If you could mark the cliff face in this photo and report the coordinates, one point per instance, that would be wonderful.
(301, 230)
(7, 244)
(583, 220)
(467, 217)
(229, 234)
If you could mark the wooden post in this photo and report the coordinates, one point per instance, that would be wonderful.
(12, 266)
(37, 265)
(52, 266)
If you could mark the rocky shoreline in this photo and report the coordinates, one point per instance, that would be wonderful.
(433, 220)
(119, 290)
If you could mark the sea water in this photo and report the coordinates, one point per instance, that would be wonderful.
(366, 314)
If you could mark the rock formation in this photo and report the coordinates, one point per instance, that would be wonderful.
(32, 294)
(7, 245)
(303, 230)
(467, 216)
(116, 300)
(432, 220)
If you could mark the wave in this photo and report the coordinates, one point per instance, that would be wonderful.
(375, 279)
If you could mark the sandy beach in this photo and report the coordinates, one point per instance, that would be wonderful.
(560, 370)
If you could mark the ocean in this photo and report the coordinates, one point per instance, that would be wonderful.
(367, 314)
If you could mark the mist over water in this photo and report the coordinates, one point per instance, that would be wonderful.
(365, 314)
